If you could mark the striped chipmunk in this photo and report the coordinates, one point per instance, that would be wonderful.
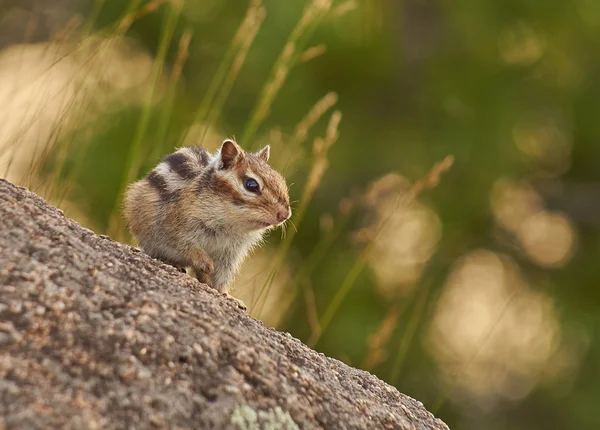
(206, 212)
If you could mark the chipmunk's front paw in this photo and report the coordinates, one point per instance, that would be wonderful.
(237, 301)
(202, 263)
(206, 266)
(204, 277)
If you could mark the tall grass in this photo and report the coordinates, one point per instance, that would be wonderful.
(161, 96)
(314, 13)
(224, 78)
(431, 180)
(135, 156)
(171, 93)
(318, 168)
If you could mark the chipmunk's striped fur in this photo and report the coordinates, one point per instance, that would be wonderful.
(207, 211)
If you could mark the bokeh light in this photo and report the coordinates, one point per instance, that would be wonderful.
(492, 334)
(545, 142)
(404, 234)
(51, 88)
(548, 239)
(520, 44)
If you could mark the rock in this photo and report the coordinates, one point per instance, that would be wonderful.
(96, 335)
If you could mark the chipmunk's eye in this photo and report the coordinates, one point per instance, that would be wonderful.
(251, 185)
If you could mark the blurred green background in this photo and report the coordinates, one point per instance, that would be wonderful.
(477, 296)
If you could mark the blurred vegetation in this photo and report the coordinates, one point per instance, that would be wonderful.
(471, 288)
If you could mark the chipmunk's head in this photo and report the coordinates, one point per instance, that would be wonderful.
(254, 195)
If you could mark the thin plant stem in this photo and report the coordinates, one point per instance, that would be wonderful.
(311, 307)
(315, 257)
(167, 110)
(134, 14)
(234, 70)
(88, 25)
(340, 295)
(220, 75)
(409, 334)
(53, 184)
(429, 181)
(316, 112)
(378, 340)
(134, 156)
(118, 30)
(310, 20)
(319, 166)
(282, 252)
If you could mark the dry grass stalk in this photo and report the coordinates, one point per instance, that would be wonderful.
(311, 308)
(150, 7)
(318, 169)
(303, 127)
(269, 93)
(97, 58)
(58, 50)
(169, 100)
(344, 8)
(332, 133)
(229, 68)
(331, 229)
(312, 15)
(183, 54)
(377, 341)
(430, 180)
(410, 330)
(317, 111)
(65, 33)
(244, 38)
(312, 53)
(320, 149)
(116, 227)
(256, 17)
(248, 22)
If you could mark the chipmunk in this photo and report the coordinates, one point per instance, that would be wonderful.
(207, 211)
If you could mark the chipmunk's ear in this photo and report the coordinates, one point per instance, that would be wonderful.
(265, 153)
(230, 153)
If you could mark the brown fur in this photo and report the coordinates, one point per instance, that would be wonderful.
(192, 210)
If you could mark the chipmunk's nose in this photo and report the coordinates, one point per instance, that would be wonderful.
(283, 215)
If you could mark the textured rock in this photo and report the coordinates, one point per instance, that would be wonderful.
(95, 334)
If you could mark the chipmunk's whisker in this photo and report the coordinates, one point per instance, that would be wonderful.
(293, 225)
(283, 231)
